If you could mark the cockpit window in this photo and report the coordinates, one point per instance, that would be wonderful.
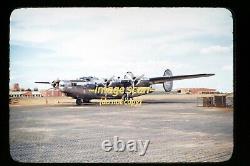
(62, 85)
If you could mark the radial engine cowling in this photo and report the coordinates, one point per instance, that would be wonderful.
(168, 85)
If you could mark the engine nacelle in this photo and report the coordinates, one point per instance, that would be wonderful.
(168, 85)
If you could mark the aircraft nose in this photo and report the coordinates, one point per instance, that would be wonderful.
(61, 85)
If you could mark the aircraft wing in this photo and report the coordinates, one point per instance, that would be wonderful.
(42, 82)
(158, 80)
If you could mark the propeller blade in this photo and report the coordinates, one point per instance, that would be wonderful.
(109, 80)
(131, 74)
(137, 80)
(140, 77)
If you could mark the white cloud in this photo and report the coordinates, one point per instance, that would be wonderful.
(227, 67)
(217, 50)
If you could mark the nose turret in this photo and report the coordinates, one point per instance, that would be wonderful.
(63, 85)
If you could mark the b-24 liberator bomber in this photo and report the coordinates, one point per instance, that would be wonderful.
(87, 88)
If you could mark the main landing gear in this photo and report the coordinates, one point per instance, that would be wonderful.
(126, 96)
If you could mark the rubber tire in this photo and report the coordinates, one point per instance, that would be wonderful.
(125, 97)
(79, 101)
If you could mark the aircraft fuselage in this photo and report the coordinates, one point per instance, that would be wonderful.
(93, 90)
(87, 88)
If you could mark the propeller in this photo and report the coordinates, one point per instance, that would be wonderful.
(55, 83)
(108, 81)
(138, 79)
(135, 80)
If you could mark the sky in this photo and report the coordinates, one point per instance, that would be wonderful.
(68, 43)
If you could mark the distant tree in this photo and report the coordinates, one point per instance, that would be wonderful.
(22, 89)
(16, 87)
(28, 89)
(35, 89)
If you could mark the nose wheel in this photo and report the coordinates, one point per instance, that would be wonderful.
(79, 101)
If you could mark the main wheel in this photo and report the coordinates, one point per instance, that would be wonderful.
(79, 101)
(126, 96)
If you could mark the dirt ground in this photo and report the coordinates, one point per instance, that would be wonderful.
(178, 131)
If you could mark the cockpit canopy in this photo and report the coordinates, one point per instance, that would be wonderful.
(64, 83)
(89, 78)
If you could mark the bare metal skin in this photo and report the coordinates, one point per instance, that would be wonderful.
(83, 89)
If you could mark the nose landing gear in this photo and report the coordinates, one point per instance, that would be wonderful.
(80, 101)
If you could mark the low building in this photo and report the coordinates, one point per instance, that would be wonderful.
(16, 87)
(16, 94)
(36, 94)
(205, 101)
(217, 100)
(220, 101)
(24, 94)
(52, 93)
(230, 100)
(196, 91)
